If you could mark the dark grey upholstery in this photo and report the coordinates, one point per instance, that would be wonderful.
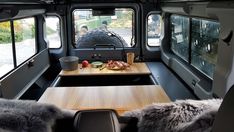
(70, 124)
(224, 121)
(96, 121)
(0, 91)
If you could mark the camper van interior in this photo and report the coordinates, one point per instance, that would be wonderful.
(116, 66)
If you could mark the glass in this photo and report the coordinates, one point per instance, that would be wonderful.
(130, 58)
(24, 39)
(154, 30)
(114, 30)
(53, 31)
(180, 36)
(6, 54)
(204, 40)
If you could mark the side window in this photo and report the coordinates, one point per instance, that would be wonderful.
(203, 47)
(204, 43)
(53, 31)
(179, 36)
(154, 30)
(25, 44)
(6, 54)
(14, 53)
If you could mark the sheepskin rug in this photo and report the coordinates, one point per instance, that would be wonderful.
(28, 116)
(178, 116)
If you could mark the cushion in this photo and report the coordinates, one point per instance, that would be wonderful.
(178, 116)
(96, 121)
(28, 116)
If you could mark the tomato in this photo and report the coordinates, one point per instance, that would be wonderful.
(85, 63)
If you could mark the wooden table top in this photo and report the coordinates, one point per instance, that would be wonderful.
(120, 98)
(135, 69)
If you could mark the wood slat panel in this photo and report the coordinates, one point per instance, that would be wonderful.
(135, 69)
(120, 98)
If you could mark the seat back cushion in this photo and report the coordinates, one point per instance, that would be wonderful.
(179, 116)
(225, 116)
(96, 121)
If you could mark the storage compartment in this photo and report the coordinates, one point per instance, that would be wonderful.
(110, 80)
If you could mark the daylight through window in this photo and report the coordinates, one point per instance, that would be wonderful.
(114, 30)
(154, 30)
(14, 53)
(204, 36)
(6, 56)
(53, 31)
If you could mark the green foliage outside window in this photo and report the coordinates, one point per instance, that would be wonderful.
(20, 32)
(5, 37)
(5, 32)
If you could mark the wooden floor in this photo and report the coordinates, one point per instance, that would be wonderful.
(120, 98)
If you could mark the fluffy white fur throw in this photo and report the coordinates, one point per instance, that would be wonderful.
(27, 116)
(179, 116)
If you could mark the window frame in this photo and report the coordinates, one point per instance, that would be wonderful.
(189, 36)
(134, 19)
(189, 62)
(35, 40)
(147, 26)
(12, 50)
(60, 29)
(13, 43)
(200, 19)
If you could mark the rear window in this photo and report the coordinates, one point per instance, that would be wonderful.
(115, 30)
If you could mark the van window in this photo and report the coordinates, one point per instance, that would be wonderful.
(180, 36)
(6, 54)
(90, 30)
(203, 48)
(154, 29)
(53, 31)
(25, 42)
(204, 39)
(14, 53)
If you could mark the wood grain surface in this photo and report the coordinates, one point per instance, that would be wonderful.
(120, 98)
(134, 69)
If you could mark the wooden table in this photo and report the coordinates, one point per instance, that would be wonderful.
(135, 69)
(120, 98)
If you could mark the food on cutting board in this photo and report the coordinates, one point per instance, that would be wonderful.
(116, 65)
